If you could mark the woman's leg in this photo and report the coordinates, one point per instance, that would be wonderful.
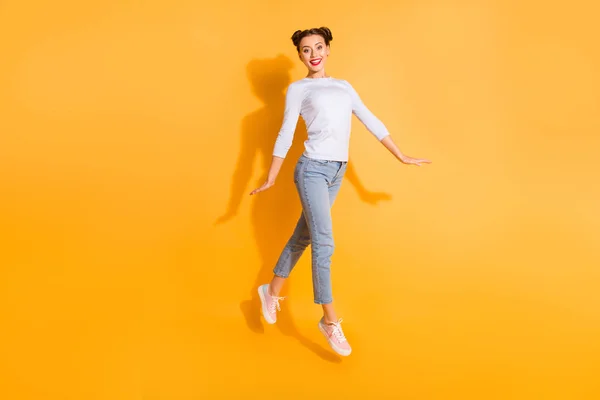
(318, 184)
(329, 315)
(290, 255)
(318, 192)
(300, 240)
(293, 250)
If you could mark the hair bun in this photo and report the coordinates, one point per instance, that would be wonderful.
(296, 37)
(327, 32)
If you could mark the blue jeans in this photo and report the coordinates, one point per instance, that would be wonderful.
(318, 183)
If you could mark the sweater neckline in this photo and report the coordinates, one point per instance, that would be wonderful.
(327, 80)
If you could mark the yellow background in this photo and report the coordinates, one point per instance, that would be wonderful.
(132, 132)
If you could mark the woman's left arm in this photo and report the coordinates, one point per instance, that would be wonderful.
(389, 144)
(378, 129)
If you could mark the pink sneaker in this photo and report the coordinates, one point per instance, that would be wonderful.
(270, 304)
(335, 336)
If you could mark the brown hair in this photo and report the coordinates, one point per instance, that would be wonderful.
(322, 31)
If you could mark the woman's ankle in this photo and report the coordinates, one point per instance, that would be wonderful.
(275, 285)
(272, 292)
(329, 315)
(329, 321)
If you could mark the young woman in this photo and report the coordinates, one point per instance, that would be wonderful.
(326, 104)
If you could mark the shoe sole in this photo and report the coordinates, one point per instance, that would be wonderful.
(263, 307)
(341, 352)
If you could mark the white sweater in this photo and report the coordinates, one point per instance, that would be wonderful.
(326, 105)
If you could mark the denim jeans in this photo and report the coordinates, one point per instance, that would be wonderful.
(318, 183)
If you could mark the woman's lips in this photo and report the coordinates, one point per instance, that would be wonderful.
(315, 62)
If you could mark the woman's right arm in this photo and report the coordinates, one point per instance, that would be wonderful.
(293, 103)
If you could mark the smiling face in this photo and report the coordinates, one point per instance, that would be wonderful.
(313, 53)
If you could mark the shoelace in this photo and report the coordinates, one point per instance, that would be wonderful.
(275, 303)
(337, 331)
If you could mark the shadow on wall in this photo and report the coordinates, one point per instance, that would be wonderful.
(275, 212)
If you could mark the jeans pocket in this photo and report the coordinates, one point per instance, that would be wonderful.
(298, 169)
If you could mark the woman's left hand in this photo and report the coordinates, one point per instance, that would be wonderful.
(414, 161)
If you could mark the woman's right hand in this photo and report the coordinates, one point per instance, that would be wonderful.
(273, 171)
(264, 187)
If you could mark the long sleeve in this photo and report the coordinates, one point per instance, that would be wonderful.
(293, 104)
(369, 120)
